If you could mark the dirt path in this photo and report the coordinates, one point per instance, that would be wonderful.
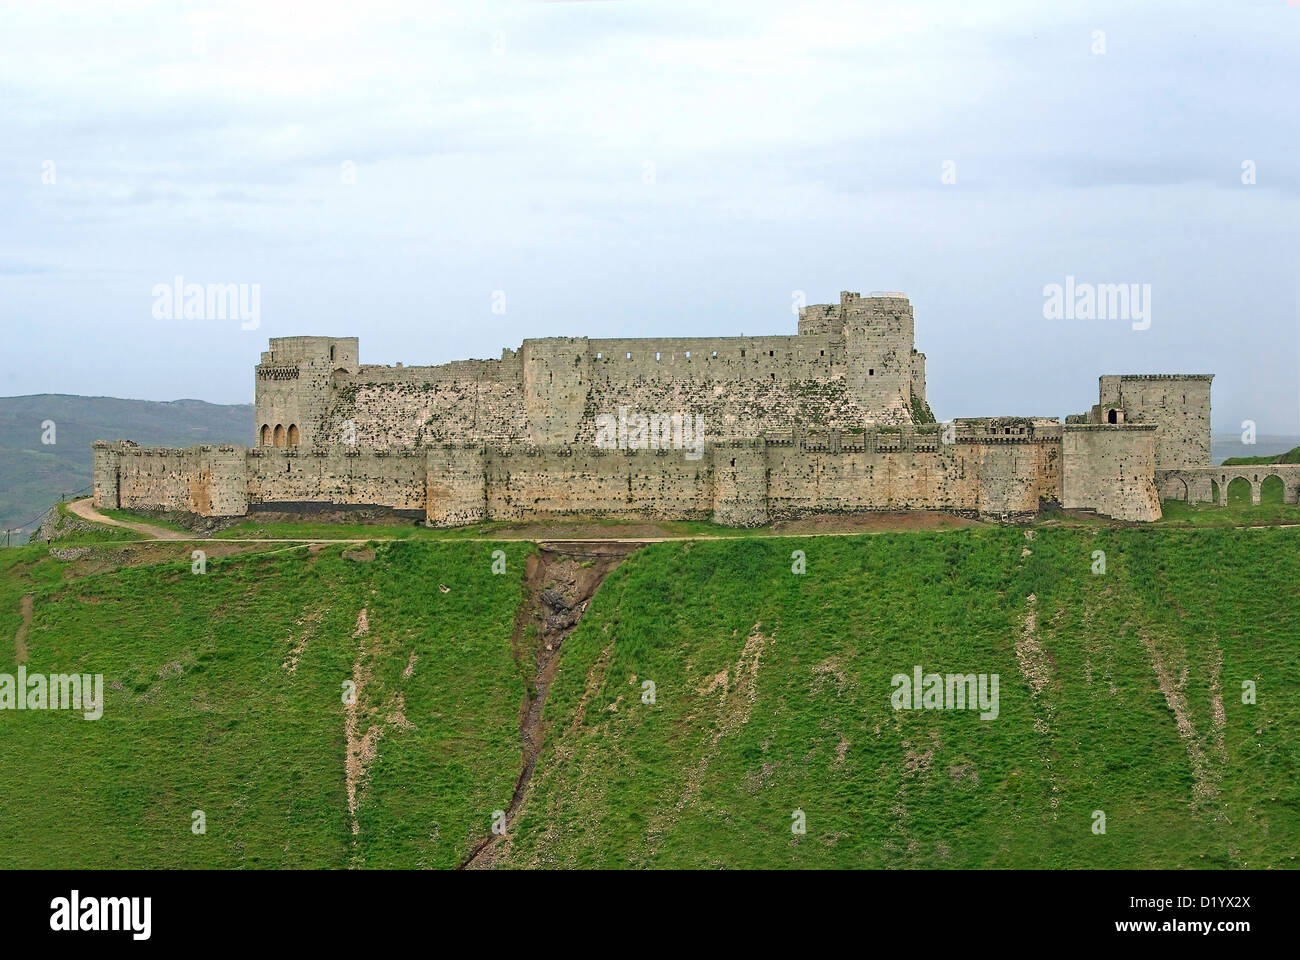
(550, 538)
(20, 638)
(85, 509)
(560, 581)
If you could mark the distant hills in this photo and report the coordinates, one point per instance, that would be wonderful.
(1267, 448)
(33, 474)
(1291, 456)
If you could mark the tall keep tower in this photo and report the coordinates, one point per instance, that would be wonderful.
(878, 340)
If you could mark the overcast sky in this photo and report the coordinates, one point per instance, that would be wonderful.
(638, 168)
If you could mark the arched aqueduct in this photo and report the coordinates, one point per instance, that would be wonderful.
(1210, 484)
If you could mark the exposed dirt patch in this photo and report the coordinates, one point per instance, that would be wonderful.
(1219, 717)
(1038, 667)
(735, 704)
(308, 625)
(874, 522)
(25, 608)
(370, 715)
(559, 582)
(566, 745)
(916, 761)
(963, 771)
(397, 716)
(359, 554)
(1032, 659)
(830, 670)
(1205, 776)
(361, 747)
(173, 668)
(91, 559)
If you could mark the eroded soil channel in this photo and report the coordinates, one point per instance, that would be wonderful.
(559, 581)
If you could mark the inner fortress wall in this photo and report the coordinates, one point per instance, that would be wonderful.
(853, 365)
(396, 407)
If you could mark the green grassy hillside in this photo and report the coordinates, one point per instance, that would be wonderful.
(773, 696)
(207, 710)
(1118, 692)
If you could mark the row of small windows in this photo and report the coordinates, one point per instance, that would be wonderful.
(279, 437)
(658, 356)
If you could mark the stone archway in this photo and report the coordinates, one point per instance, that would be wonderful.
(1272, 489)
(279, 435)
(1241, 491)
(1173, 487)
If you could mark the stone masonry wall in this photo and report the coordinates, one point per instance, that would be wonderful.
(204, 480)
(1179, 405)
(525, 482)
(337, 475)
(736, 483)
(855, 364)
(1111, 469)
(816, 422)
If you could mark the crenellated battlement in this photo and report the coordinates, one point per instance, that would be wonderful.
(830, 419)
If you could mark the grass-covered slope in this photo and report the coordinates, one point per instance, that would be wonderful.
(207, 710)
(1290, 456)
(773, 689)
(1119, 692)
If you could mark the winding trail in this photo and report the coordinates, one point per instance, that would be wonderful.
(85, 509)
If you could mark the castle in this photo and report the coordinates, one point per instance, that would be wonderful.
(830, 420)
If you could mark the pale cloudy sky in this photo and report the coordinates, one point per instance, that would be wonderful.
(793, 146)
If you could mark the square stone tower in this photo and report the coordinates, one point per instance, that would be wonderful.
(294, 385)
(1177, 404)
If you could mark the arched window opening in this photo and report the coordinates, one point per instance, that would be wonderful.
(293, 434)
(279, 434)
(265, 436)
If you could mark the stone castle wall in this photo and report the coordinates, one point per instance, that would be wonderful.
(210, 481)
(821, 421)
(737, 483)
(852, 365)
(1111, 469)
